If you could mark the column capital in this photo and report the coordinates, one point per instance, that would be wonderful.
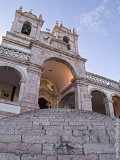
(107, 101)
(22, 81)
(79, 81)
(35, 68)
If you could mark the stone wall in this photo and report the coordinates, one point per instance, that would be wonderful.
(58, 134)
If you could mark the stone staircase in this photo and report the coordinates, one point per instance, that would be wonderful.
(58, 134)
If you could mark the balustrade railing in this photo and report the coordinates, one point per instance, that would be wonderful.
(93, 78)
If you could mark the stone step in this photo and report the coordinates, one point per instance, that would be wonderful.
(57, 134)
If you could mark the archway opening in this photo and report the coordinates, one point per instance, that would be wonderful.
(98, 102)
(58, 75)
(26, 28)
(42, 103)
(9, 83)
(68, 101)
(116, 105)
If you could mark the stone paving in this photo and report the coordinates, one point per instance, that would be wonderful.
(58, 134)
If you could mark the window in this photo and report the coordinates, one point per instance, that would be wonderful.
(26, 29)
(6, 95)
(67, 41)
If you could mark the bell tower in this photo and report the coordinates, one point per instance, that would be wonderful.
(25, 27)
(69, 38)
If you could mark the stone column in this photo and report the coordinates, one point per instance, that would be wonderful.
(82, 98)
(109, 107)
(32, 86)
(78, 100)
(21, 91)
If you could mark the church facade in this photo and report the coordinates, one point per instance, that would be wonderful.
(37, 67)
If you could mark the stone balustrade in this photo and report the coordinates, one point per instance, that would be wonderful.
(99, 80)
(14, 54)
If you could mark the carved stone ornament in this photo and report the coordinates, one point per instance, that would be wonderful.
(49, 87)
(14, 54)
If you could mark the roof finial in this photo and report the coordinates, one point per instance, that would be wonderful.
(61, 24)
(74, 31)
(57, 24)
(20, 8)
(40, 16)
(31, 11)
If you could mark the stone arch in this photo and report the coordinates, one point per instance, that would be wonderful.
(68, 100)
(97, 89)
(10, 82)
(62, 61)
(17, 69)
(71, 91)
(26, 28)
(98, 99)
(114, 94)
(62, 71)
(45, 101)
(116, 103)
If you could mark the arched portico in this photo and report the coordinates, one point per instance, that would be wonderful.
(10, 82)
(16, 69)
(57, 75)
(59, 72)
(101, 101)
(68, 101)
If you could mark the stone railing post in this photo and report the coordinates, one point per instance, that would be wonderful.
(109, 107)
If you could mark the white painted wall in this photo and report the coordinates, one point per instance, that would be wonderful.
(9, 108)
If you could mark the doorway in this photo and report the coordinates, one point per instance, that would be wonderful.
(42, 103)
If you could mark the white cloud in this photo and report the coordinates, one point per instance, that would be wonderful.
(92, 20)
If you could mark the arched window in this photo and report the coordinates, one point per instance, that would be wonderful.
(67, 41)
(26, 29)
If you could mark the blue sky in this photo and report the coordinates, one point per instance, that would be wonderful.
(97, 22)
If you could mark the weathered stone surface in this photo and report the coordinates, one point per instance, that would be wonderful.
(8, 156)
(46, 140)
(76, 157)
(33, 157)
(108, 157)
(98, 148)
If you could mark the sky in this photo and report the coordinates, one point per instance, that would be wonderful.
(97, 23)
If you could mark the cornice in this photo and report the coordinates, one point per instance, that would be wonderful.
(79, 81)
(30, 16)
(35, 68)
(65, 30)
(10, 41)
(39, 44)
(27, 38)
